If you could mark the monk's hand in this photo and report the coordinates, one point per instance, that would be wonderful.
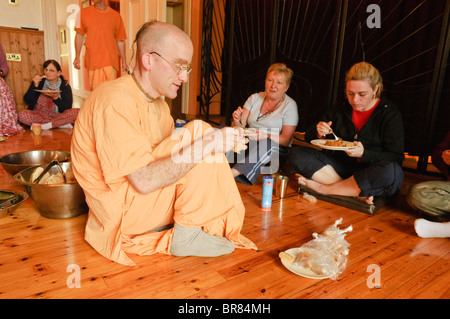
(222, 140)
(240, 144)
(260, 135)
(76, 63)
(233, 139)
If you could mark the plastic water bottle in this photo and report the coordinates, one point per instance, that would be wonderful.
(266, 201)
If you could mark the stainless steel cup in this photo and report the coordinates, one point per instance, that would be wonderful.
(281, 183)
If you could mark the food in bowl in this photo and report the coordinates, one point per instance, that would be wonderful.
(61, 200)
(58, 178)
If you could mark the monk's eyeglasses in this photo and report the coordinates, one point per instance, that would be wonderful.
(179, 69)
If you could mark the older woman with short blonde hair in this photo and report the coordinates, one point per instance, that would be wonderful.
(274, 117)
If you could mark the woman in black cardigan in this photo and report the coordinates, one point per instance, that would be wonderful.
(49, 99)
(373, 167)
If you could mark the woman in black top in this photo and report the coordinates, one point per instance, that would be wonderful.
(373, 167)
(49, 99)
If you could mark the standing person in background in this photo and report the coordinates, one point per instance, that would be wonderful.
(105, 35)
(8, 112)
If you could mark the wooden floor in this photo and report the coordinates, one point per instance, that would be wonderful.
(39, 257)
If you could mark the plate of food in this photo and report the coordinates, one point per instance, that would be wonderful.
(287, 259)
(250, 132)
(48, 91)
(335, 145)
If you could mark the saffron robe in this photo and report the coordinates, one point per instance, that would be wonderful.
(117, 132)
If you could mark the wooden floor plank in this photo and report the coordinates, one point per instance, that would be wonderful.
(35, 252)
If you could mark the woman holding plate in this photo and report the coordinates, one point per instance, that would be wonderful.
(271, 118)
(49, 99)
(372, 166)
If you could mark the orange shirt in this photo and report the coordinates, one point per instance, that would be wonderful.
(103, 29)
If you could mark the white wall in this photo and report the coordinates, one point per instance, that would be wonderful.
(27, 13)
(61, 10)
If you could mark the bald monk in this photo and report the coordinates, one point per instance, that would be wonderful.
(149, 188)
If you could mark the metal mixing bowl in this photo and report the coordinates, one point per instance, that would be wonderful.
(54, 200)
(16, 162)
(11, 207)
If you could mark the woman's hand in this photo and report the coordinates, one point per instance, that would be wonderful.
(323, 129)
(53, 95)
(237, 117)
(358, 151)
(37, 79)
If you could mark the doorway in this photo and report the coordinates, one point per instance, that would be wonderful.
(175, 15)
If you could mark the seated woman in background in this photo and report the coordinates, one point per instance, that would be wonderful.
(432, 198)
(373, 166)
(274, 115)
(8, 112)
(49, 100)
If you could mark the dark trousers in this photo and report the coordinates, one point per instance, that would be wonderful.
(377, 179)
(261, 157)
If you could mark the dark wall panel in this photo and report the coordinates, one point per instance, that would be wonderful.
(321, 39)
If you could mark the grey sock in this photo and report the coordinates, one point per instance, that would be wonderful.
(193, 241)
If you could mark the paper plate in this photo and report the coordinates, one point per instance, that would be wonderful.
(321, 143)
(48, 91)
(298, 269)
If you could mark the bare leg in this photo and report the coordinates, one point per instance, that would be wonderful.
(346, 187)
(326, 175)
(235, 172)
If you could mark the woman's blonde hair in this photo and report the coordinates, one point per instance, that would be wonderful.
(281, 68)
(366, 71)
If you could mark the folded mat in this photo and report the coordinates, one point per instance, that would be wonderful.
(351, 202)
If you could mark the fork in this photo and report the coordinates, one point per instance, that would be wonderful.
(335, 137)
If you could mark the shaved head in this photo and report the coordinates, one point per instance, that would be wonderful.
(156, 35)
(163, 61)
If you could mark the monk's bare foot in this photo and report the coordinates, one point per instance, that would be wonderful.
(317, 187)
